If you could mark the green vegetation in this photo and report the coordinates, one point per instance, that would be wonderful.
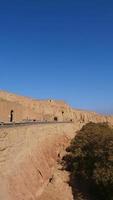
(90, 157)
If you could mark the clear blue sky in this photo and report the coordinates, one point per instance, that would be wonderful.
(61, 49)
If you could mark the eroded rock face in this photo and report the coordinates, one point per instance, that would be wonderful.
(27, 108)
(28, 156)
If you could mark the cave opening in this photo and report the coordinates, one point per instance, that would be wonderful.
(55, 118)
(11, 115)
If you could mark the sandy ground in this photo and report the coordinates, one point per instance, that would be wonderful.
(28, 157)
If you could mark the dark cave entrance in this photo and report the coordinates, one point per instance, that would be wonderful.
(62, 112)
(56, 119)
(11, 115)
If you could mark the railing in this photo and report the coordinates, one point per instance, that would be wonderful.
(14, 124)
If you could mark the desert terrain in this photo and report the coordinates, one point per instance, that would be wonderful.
(29, 155)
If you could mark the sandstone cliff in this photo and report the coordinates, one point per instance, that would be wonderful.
(29, 154)
(27, 108)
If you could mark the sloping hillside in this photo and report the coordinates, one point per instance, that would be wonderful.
(28, 157)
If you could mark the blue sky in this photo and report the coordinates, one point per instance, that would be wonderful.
(60, 49)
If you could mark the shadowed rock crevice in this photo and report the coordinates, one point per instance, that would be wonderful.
(40, 173)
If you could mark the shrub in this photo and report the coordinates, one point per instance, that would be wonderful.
(91, 157)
